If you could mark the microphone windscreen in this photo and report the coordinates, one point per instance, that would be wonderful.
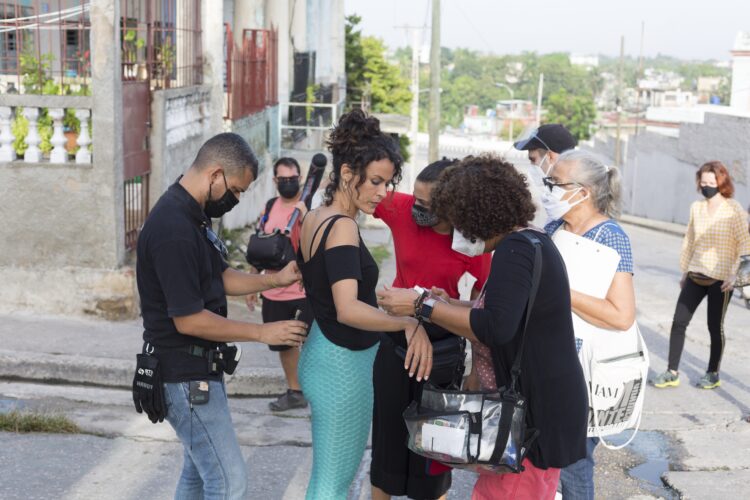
(320, 160)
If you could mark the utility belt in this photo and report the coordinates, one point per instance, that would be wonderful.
(220, 358)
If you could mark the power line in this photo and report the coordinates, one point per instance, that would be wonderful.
(476, 30)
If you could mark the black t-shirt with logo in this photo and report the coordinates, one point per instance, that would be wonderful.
(179, 273)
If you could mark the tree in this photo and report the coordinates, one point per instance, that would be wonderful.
(371, 76)
(354, 61)
(577, 113)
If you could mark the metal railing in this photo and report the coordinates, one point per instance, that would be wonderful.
(319, 117)
(45, 46)
(251, 79)
(161, 42)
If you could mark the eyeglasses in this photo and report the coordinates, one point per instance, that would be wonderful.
(550, 182)
(217, 243)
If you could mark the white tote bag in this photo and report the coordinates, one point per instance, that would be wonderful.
(615, 363)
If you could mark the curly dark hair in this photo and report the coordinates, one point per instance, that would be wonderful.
(358, 141)
(483, 197)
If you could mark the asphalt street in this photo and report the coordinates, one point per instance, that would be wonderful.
(693, 443)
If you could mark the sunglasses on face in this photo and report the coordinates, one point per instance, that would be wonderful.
(551, 182)
(217, 243)
(282, 180)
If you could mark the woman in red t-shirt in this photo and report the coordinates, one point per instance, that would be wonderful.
(423, 258)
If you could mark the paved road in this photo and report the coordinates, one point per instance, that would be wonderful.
(697, 439)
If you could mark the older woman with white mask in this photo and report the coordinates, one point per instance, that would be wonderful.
(584, 199)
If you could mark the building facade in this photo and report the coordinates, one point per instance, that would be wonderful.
(103, 104)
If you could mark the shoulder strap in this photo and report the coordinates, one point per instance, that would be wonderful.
(536, 276)
(326, 232)
(266, 214)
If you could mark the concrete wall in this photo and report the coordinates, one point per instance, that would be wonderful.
(256, 129)
(63, 232)
(182, 121)
(659, 172)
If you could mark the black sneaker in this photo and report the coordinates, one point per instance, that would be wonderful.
(288, 401)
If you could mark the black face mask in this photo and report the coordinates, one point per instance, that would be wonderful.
(217, 208)
(289, 188)
(709, 192)
(423, 217)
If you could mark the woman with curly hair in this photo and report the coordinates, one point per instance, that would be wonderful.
(488, 203)
(340, 275)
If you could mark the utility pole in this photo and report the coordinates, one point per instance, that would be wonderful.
(411, 171)
(618, 102)
(434, 116)
(414, 130)
(539, 93)
(639, 75)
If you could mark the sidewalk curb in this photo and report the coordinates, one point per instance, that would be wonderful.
(656, 225)
(118, 373)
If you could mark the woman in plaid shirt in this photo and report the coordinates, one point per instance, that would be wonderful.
(716, 237)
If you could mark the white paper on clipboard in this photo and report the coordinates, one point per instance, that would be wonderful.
(591, 265)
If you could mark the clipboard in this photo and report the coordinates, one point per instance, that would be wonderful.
(591, 266)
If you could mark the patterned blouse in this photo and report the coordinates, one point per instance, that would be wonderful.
(713, 244)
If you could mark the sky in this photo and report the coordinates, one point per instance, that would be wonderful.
(688, 29)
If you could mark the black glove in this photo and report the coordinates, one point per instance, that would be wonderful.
(148, 390)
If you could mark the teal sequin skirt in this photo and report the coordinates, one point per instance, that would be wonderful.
(338, 384)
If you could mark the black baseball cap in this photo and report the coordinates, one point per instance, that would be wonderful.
(551, 136)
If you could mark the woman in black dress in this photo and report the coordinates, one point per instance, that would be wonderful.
(488, 203)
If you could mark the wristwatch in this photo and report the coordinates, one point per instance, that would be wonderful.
(425, 310)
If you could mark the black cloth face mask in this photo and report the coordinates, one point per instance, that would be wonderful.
(709, 192)
(423, 217)
(217, 208)
(289, 188)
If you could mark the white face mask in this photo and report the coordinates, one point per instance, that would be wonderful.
(555, 206)
(464, 246)
(546, 172)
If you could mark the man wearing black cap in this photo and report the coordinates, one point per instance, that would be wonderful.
(545, 144)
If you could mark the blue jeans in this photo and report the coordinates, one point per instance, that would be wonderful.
(213, 465)
(577, 479)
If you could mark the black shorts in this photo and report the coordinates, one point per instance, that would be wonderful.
(394, 469)
(281, 310)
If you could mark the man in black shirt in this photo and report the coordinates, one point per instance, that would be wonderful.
(183, 281)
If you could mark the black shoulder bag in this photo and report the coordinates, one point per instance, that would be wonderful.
(273, 250)
(477, 430)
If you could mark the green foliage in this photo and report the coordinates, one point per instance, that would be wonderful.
(370, 75)
(36, 80)
(16, 421)
(380, 253)
(20, 128)
(403, 143)
(576, 112)
(354, 62)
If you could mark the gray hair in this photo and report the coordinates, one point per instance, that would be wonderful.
(602, 180)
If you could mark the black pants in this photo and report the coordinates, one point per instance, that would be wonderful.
(282, 310)
(691, 296)
(394, 469)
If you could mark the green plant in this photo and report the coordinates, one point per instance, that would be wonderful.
(20, 129)
(131, 46)
(36, 80)
(380, 253)
(16, 421)
(310, 92)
